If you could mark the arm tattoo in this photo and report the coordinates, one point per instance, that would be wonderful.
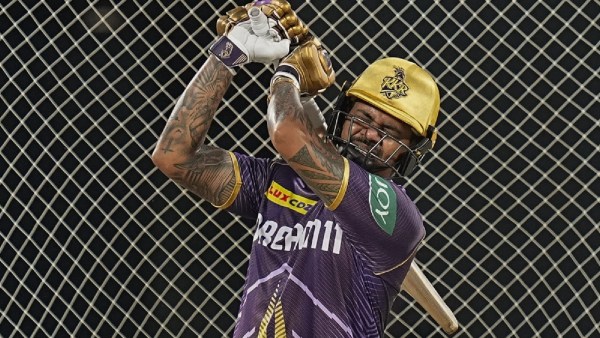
(317, 161)
(209, 174)
(207, 171)
(197, 106)
(324, 178)
(287, 104)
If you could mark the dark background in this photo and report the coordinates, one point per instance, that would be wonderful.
(94, 241)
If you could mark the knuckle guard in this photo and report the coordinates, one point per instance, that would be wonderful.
(287, 23)
(282, 19)
(222, 24)
(273, 11)
(289, 20)
(231, 18)
(283, 5)
(295, 31)
(313, 65)
(238, 14)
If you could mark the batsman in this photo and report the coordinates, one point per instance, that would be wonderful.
(334, 235)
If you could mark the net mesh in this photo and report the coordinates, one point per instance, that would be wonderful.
(97, 242)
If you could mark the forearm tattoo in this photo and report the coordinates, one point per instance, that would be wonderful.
(196, 108)
(209, 174)
(207, 171)
(317, 161)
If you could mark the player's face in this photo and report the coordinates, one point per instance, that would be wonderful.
(368, 138)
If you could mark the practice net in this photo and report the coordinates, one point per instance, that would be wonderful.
(95, 241)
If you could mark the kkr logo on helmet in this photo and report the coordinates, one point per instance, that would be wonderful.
(394, 87)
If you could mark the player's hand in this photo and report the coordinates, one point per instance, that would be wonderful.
(309, 67)
(239, 46)
(282, 22)
(261, 31)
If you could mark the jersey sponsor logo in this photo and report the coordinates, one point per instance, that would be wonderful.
(394, 87)
(315, 234)
(287, 199)
(382, 201)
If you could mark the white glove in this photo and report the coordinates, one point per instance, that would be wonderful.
(240, 46)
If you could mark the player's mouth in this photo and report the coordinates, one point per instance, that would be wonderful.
(367, 146)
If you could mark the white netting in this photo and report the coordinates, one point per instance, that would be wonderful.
(96, 242)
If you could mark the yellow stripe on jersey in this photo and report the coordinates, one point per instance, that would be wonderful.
(338, 199)
(238, 183)
(279, 321)
(264, 323)
(275, 306)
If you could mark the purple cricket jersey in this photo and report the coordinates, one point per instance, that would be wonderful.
(318, 271)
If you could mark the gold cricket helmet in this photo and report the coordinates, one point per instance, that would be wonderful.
(401, 89)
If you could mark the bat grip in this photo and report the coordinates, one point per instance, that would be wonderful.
(258, 21)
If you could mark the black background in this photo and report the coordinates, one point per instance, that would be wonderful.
(96, 242)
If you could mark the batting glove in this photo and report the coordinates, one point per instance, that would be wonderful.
(309, 67)
(261, 31)
(282, 22)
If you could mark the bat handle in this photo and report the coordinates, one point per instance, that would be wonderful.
(258, 21)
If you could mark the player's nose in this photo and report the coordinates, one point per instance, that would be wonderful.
(372, 135)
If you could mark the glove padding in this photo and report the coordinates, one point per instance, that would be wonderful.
(240, 46)
(309, 67)
(282, 20)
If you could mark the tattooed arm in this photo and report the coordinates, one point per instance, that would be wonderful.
(302, 143)
(181, 153)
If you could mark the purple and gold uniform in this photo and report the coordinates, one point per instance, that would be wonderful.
(317, 270)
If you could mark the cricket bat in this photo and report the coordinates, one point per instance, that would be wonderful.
(418, 286)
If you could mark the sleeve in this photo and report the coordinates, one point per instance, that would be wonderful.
(251, 175)
(379, 219)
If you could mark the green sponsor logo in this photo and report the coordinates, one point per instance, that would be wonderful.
(382, 200)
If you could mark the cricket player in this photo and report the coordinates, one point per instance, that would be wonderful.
(334, 235)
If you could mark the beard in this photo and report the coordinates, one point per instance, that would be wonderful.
(369, 159)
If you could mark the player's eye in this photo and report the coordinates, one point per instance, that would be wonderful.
(393, 132)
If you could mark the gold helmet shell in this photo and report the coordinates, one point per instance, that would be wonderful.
(403, 90)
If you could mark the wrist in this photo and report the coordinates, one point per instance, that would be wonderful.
(279, 77)
(278, 80)
(284, 76)
(230, 52)
(220, 63)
